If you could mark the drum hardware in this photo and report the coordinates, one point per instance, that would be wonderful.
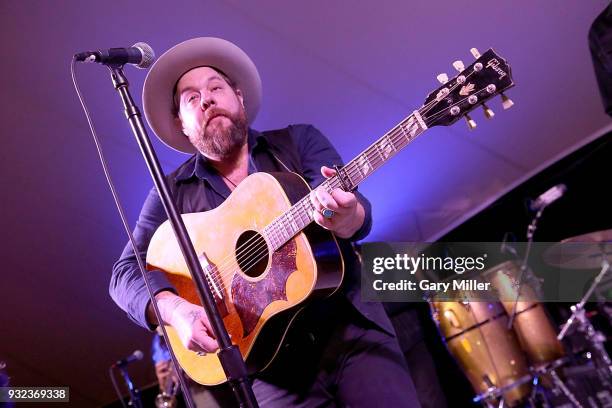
(594, 338)
(167, 397)
(493, 393)
(549, 370)
(578, 312)
(584, 254)
(531, 229)
(564, 389)
(493, 396)
(529, 277)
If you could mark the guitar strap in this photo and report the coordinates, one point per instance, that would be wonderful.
(283, 150)
(281, 154)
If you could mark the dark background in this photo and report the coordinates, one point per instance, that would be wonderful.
(352, 68)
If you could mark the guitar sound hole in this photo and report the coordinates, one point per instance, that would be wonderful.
(252, 253)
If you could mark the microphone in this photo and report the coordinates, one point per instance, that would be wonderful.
(548, 197)
(135, 356)
(140, 54)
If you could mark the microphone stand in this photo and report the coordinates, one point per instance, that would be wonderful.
(134, 393)
(531, 229)
(229, 355)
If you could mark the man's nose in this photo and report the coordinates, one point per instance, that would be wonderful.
(207, 101)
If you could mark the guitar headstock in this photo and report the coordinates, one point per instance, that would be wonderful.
(485, 78)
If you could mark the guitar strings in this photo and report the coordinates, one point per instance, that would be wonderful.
(260, 251)
(247, 246)
(257, 254)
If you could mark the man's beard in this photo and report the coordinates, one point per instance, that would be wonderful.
(219, 141)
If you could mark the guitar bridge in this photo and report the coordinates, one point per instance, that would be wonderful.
(207, 268)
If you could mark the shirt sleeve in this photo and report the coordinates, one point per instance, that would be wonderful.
(127, 286)
(315, 150)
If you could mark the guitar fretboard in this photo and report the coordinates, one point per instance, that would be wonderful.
(299, 216)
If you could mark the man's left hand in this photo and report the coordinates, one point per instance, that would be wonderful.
(348, 213)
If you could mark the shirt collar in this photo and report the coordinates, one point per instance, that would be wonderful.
(199, 166)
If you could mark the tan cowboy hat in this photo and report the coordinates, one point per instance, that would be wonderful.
(164, 74)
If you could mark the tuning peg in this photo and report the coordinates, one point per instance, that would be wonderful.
(506, 102)
(487, 111)
(475, 52)
(458, 65)
(470, 122)
(442, 78)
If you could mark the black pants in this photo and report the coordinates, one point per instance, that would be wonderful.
(335, 357)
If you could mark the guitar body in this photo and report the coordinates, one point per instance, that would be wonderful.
(258, 291)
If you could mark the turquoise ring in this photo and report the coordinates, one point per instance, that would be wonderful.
(327, 213)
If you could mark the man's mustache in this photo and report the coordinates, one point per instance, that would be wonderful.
(214, 112)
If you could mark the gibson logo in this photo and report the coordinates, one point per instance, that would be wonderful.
(494, 63)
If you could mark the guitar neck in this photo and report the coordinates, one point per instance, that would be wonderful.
(299, 216)
(485, 78)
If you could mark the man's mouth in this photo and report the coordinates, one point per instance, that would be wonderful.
(216, 115)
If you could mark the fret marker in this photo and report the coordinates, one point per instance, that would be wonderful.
(412, 127)
(419, 119)
(386, 148)
(364, 165)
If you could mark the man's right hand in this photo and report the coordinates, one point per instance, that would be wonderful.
(189, 321)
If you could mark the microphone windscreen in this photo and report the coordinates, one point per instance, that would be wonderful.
(148, 55)
(138, 355)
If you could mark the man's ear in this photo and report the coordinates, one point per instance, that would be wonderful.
(179, 123)
(240, 98)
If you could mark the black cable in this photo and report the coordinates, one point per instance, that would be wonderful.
(111, 374)
(127, 228)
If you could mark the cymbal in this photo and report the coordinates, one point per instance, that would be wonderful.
(584, 251)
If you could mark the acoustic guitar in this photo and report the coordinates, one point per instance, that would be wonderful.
(264, 255)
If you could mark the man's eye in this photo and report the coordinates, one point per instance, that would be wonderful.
(216, 88)
(192, 97)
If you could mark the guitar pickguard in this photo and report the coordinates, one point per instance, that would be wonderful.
(251, 298)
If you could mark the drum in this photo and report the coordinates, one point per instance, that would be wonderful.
(489, 354)
(536, 334)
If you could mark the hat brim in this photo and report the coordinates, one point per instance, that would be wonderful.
(159, 84)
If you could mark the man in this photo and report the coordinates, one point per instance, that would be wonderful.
(199, 98)
(164, 371)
